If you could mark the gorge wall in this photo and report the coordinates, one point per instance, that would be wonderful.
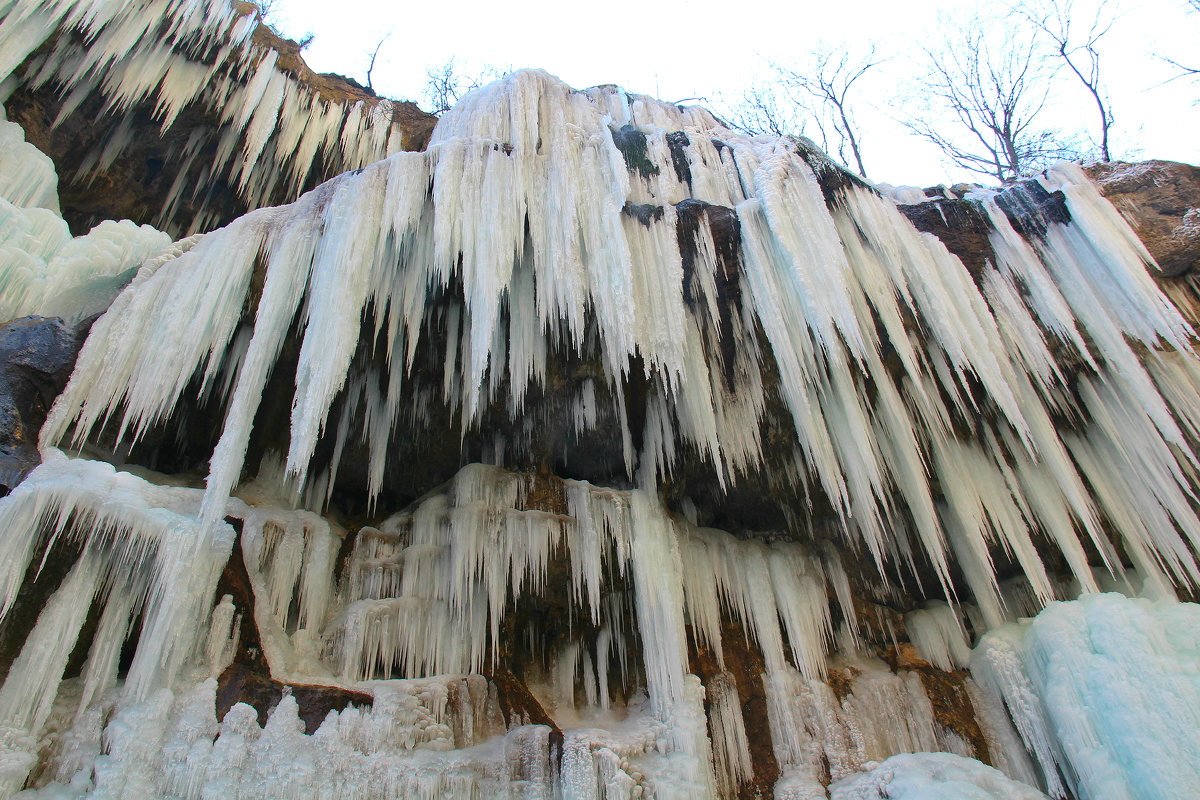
(583, 448)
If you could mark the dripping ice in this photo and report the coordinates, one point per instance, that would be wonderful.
(524, 199)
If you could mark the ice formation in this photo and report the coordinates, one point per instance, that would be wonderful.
(1104, 691)
(828, 288)
(43, 270)
(27, 176)
(938, 634)
(175, 54)
(724, 300)
(932, 776)
(412, 620)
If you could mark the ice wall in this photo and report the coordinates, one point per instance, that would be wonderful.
(948, 447)
(942, 426)
(413, 618)
(1104, 692)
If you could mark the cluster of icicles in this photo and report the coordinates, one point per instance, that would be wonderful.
(426, 593)
(555, 213)
(176, 54)
(521, 201)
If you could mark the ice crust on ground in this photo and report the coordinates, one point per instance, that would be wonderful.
(931, 776)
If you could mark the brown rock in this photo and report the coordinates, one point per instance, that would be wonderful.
(960, 224)
(248, 680)
(1161, 201)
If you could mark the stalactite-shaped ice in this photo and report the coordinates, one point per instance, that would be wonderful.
(937, 633)
(731, 750)
(525, 203)
(724, 307)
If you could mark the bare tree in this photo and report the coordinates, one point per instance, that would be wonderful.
(266, 8)
(771, 109)
(1076, 46)
(991, 89)
(446, 83)
(375, 55)
(266, 16)
(1184, 70)
(818, 91)
(827, 81)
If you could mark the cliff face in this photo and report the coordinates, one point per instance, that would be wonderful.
(598, 451)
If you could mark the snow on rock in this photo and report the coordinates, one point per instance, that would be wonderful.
(1105, 692)
(931, 776)
(903, 195)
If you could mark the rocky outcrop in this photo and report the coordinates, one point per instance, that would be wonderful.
(36, 359)
(1161, 201)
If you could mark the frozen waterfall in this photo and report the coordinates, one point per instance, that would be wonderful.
(564, 271)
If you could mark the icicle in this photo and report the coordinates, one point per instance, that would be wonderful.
(33, 678)
(222, 642)
(152, 55)
(937, 633)
(731, 750)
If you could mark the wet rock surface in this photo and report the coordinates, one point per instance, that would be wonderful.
(960, 225)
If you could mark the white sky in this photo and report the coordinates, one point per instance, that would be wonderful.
(714, 50)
